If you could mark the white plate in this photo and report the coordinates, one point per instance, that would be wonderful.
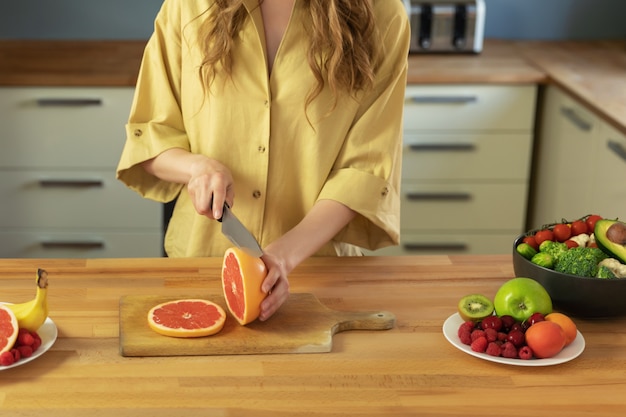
(569, 352)
(48, 333)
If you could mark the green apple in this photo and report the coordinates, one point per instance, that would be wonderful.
(521, 297)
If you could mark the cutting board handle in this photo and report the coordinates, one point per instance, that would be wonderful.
(366, 320)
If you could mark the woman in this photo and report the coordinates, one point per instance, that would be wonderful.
(290, 111)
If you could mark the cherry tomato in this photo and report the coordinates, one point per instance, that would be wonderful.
(579, 227)
(531, 241)
(571, 244)
(562, 232)
(543, 235)
(591, 222)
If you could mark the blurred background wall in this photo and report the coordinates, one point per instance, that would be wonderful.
(133, 19)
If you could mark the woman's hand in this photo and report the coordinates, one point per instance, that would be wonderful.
(209, 182)
(275, 285)
(210, 185)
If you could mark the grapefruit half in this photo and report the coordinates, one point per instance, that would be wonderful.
(242, 276)
(8, 329)
(187, 318)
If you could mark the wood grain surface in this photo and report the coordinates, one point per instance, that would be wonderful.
(302, 325)
(410, 370)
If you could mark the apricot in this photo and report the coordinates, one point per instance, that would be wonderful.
(545, 339)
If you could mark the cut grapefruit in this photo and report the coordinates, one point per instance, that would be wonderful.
(242, 276)
(187, 318)
(8, 329)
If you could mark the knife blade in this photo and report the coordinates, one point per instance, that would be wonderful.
(237, 233)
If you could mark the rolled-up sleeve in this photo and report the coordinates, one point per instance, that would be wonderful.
(156, 123)
(367, 173)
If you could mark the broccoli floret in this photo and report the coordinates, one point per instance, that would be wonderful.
(605, 272)
(580, 261)
(555, 249)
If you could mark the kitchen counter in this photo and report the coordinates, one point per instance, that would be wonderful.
(593, 71)
(409, 370)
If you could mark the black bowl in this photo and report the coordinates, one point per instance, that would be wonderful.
(581, 297)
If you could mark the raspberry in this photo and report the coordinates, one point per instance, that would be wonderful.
(492, 322)
(525, 352)
(477, 333)
(465, 336)
(25, 351)
(493, 349)
(25, 338)
(509, 350)
(16, 354)
(37, 342)
(469, 325)
(491, 334)
(6, 358)
(502, 337)
(479, 344)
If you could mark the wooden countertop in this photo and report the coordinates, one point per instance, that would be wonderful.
(409, 370)
(594, 71)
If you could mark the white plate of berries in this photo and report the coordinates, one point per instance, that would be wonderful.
(504, 346)
(30, 345)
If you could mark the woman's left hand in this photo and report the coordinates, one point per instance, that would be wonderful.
(275, 285)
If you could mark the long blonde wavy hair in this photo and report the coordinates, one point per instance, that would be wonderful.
(344, 44)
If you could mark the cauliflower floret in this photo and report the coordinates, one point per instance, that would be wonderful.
(618, 268)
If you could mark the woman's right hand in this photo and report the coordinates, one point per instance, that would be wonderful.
(210, 186)
(209, 182)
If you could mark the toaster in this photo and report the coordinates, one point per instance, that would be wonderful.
(440, 26)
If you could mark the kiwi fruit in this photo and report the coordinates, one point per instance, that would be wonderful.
(475, 307)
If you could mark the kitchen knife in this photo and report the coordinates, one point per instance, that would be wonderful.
(234, 230)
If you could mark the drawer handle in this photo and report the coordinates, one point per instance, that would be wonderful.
(70, 183)
(443, 99)
(617, 148)
(69, 102)
(416, 247)
(573, 117)
(61, 244)
(439, 196)
(418, 147)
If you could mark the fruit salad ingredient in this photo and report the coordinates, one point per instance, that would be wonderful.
(545, 339)
(566, 323)
(242, 276)
(32, 314)
(8, 328)
(475, 307)
(521, 297)
(187, 318)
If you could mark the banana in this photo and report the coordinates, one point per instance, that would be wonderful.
(32, 314)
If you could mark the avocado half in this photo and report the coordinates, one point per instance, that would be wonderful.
(611, 238)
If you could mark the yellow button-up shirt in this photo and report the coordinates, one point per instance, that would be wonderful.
(255, 123)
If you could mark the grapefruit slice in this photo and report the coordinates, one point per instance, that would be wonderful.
(242, 276)
(8, 328)
(187, 318)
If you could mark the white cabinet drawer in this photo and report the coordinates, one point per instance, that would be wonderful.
(460, 207)
(63, 127)
(469, 107)
(84, 244)
(466, 156)
(72, 200)
(458, 244)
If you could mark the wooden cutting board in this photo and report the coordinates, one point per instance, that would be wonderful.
(302, 325)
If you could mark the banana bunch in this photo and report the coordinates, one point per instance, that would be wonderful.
(32, 314)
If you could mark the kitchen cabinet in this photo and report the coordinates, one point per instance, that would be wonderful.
(466, 163)
(581, 163)
(59, 194)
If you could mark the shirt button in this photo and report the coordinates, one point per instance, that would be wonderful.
(385, 191)
(256, 194)
(261, 149)
(266, 103)
(138, 132)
